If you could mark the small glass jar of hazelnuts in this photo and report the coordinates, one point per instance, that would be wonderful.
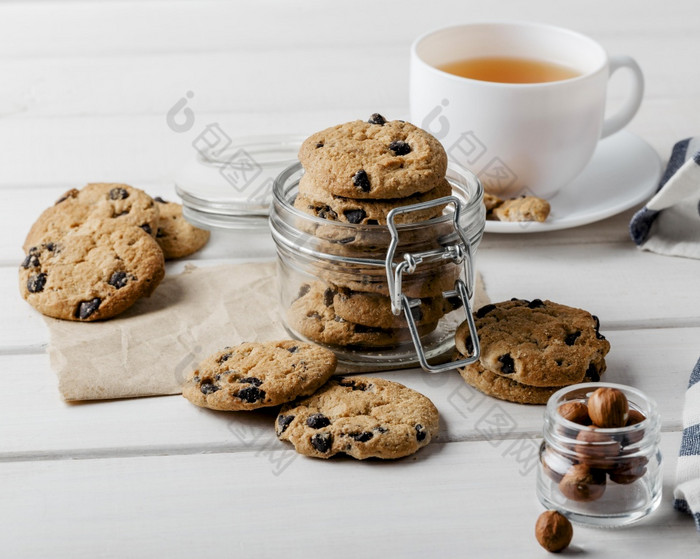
(600, 463)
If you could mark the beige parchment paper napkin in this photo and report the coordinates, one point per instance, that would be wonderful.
(151, 348)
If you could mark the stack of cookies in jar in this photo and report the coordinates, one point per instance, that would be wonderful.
(354, 175)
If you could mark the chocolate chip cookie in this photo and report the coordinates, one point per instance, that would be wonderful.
(362, 417)
(504, 388)
(257, 375)
(121, 203)
(537, 343)
(177, 237)
(377, 159)
(524, 208)
(319, 202)
(372, 309)
(427, 281)
(93, 272)
(313, 316)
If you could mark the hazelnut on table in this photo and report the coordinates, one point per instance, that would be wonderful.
(553, 531)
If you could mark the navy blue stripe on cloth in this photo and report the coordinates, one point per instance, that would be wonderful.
(682, 506)
(690, 445)
(695, 375)
(641, 222)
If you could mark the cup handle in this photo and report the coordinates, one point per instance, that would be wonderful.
(620, 119)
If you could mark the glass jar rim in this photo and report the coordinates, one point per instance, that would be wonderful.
(556, 399)
(279, 189)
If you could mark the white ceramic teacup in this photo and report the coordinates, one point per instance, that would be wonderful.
(518, 138)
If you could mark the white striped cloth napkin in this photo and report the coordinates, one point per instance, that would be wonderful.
(669, 223)
(687, 493)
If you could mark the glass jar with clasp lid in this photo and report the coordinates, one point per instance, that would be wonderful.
(380, 296)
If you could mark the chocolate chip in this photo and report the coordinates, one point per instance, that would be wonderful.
(598, 335)
(319, 145)
(208, 387)
(469, 345)
(535, 304)
(362, 437)
(592, 373)
(420, 432)
(87, 308)
(118, 194)
(376, 118)
(51, 247)
(318, 421)
(507, 364)
(36, 283)
(372, 222)
(283, 422)
(224, 357)
(361, 180)
(570, 339)
(118, 280)
(355, 216)
(159, 200)
(381, 430)
(345, 240)
(328, 295)
(72, 193)
(292, 349)
(326, 212)
(352, 384)
(483, 311)
(400, 148)
(250, 394)
(322, 442)
(159, 233)
(147, 228)
(250, 380)
(31, 261)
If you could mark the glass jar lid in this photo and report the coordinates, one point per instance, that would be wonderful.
(230, 187)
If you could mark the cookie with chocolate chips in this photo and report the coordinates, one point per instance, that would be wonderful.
(375, 159)
(113, 202)
(313, 316)
(362, 417)
(176, 236)
(504, 388)
(319, 202)
(93, 272)
(537, 343)
(257, 375)
(372, 309)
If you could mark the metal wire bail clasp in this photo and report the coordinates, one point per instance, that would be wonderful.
(459, 253)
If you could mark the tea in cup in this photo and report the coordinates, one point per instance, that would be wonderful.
(522, 105)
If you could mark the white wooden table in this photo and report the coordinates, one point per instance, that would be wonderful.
(84, 92)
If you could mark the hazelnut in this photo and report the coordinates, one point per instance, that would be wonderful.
(554, 464)
(608, 407)
(583, 483)
(629, 470)
(634, 417)
(596, 449)
(553, 531)
(576, 412)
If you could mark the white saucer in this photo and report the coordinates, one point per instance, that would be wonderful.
(624, 172)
